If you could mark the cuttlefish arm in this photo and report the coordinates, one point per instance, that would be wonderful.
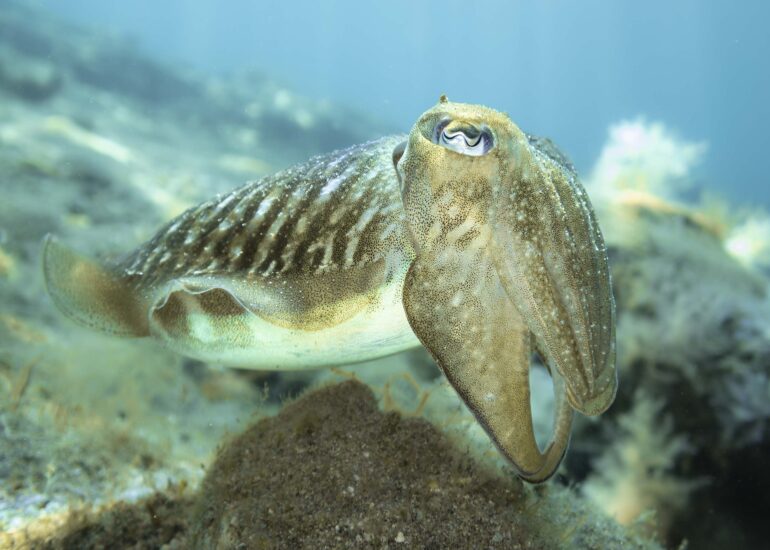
(507, 254)
(559, 278)
(458, 308)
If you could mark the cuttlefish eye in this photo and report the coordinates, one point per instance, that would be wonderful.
(463, 137)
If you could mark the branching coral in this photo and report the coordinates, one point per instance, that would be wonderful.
(691, 288)
(743, 405)
(636, 475)
(689, 312)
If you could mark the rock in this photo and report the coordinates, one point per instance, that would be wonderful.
(332, 468)
(333, 471)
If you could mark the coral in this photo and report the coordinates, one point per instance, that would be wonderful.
(691, 288)
(749, 242)
(646, 157)
(743, 405)
(679, 320)
(636, 475)
(691, 302)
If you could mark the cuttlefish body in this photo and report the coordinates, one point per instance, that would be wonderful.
(469, 237)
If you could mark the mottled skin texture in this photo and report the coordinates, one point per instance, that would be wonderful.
(470, 236)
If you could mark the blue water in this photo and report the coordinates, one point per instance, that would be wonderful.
(562, 69)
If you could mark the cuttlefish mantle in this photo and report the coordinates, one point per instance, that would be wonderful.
(467, 236)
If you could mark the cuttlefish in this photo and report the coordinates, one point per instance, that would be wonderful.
(467, 236)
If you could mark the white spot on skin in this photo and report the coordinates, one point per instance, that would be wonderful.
(333, 164)
(264, 207)
(238, 212)
(270, 268)
(132, 269)
(301, 226)
(354, 235)
(295, 198)
(227, 200)
(268, 239)
(174, 226)
(328, 250)
(389, 230)
(332, 185)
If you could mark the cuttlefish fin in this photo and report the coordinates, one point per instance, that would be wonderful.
(194, 317)
(460, 312)
(213, 315)
(90, 293)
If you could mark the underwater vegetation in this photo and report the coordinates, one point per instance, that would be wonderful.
(105, 441)
(691, 289)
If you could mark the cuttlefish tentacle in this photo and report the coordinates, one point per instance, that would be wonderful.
(470, 237)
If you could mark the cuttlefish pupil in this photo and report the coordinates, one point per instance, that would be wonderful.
(463, 137)
(483, 257)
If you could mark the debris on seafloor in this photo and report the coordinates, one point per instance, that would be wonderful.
(333, 471)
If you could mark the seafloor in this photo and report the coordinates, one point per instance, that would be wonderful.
(109, 443)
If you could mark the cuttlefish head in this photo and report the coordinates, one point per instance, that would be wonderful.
(509, 260)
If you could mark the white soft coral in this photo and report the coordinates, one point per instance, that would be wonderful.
(635, 476)
(749, 242)
(645, 157)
